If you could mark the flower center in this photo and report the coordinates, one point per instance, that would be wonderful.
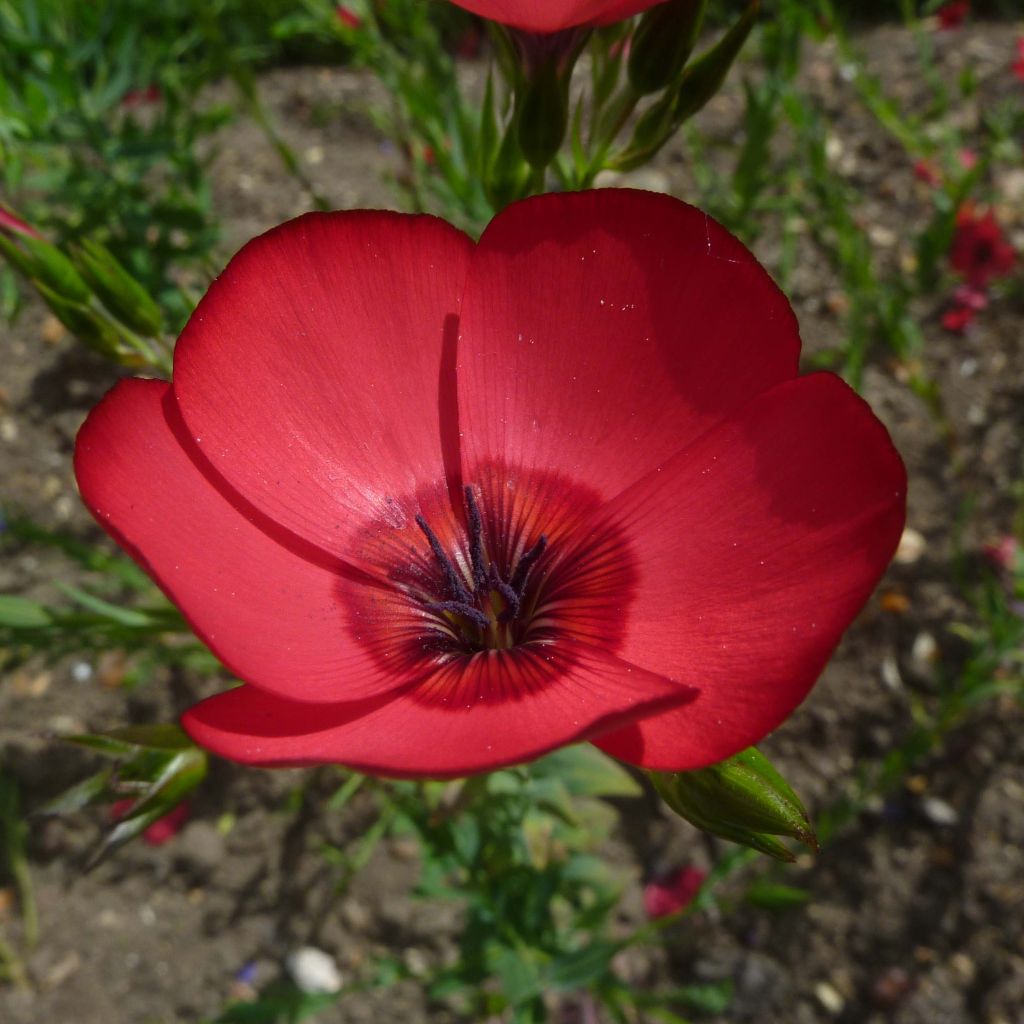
(489, 610)
(526, 573)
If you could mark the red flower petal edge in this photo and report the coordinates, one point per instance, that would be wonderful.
(445, 507)
(554, 15)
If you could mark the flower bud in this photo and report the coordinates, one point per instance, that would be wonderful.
(705, 76)
(541, 72)
(118, 290)
(663, 42)
(542, 115)
(44, 263)
(743, 799)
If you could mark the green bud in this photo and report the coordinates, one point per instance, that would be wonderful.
(695, 86)
(663, 42)
(84, 323)
(55, 270)
(118, 290)
(542, 115)
(743, 799)
(705, 76)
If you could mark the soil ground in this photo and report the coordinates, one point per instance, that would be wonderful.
(916, 912)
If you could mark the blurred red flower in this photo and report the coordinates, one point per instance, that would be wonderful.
(967, 158)
(446, 506)
(673, 892)
(924, 170)
(958, 318)
(954, 14)
(1018, 64)
(555, 15)
(141, 97)
(163, 829)
(347, 17)
(980, 251)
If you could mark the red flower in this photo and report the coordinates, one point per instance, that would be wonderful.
(958, 318)
(1018, 64)
(924, 170)
(967, 158)
(954, 14)
(980, 251)
(663, 896)
(347, 17)
(163, 829)
(554, 15)
(447, 506)
(141, 97)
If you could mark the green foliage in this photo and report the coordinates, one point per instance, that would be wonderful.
(102, 131)
(155, 766)
(120, 609)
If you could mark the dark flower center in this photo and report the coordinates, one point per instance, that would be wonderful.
(489, 610)
(496, 596)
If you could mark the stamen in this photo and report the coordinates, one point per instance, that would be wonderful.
(456, 588)
(474, 615)
(526, 564)
(476, 541)
(510, 597)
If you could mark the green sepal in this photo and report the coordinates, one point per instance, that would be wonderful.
(696, 85)
(704, 77)
(743, 799)
(542, 115)
(158, 766)
(82, 322)
(663, 42)
(52, 268)
(118, 290)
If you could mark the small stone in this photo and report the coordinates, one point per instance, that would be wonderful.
(416, 962)
(895, 602)
(52, 330)
(315, 155)
(314, 971)
(911, 547)
(977, 416)
(939, 812)
(891, 674)
(883, 237)
(81, 671)
(964, 968)
(829, 998)
(31, 684)
(200, 847)
(924, 651)
(8, 429)
(356, 916)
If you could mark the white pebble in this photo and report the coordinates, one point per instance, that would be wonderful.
(925, 651)
(314, 971)
(911, 547)
(81, 671)
(829, 998)
(939, 812)
(891, 674)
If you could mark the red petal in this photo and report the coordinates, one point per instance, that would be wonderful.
(553, 15)
(468, 716)
(756, 547)
(274, 618)
(310, 374)
(602, 331)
